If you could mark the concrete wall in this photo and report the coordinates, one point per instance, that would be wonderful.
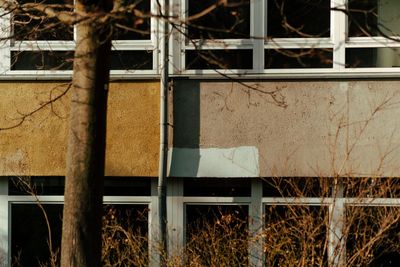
(322, 128)
(37, 147)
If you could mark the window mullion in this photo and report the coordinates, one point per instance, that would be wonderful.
(339, 33)
(257, 31)
(5, 30)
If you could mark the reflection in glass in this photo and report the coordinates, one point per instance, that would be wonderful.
(36, 26)
(219, 59)
(298, 18)
(212, 19)
(373, 17)
(298, 58)
(372, 57)
(135, 24)
(42, 60)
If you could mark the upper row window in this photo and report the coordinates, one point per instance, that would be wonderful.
(35, 26)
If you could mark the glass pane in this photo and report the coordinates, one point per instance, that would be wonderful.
(298, 58)
(213, 19)
(125, 235)
(54, 185)
(297, 187)
(373, 17)
(135, 24)
(29, 241)
(219, 59)
(217, 235)
(372, 187)
(42, 60)
(372, 57)
(224, 187)
(373, 236)
(295, 235)
(132, 60)
(298, 18)
(125, 231)
(36, 26)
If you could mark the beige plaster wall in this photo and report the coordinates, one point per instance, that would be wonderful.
(37, 147)
(324, 128)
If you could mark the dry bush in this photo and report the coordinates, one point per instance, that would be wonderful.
(123, 243)
(219, 240)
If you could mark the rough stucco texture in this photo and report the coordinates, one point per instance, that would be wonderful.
(37, 147)
(323, 128)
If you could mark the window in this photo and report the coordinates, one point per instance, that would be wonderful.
(296, 38)
(45, 46)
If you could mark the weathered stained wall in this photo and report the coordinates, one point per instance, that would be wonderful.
(323, 128)
(37, 147)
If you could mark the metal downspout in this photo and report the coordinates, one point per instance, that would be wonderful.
(164, 83)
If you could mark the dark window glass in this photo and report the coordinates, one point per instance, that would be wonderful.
(295, 234)
(372, 187)
(125, 235)
(298, 58)
(125, 230)
(217, 235)
(373, 17)
(132, 60)
(29, 241)
(36, 26)
(298, 18)
(373, 236)
(217, 187)
(297, 187)
(213, 19)
(135, 23)
(372, 57)
(219, 59)
(42, 60)
(54, 185)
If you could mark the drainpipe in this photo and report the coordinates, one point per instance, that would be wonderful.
(162, 174)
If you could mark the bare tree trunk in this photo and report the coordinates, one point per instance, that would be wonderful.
(81, 233)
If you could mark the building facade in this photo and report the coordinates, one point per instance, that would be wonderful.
(274, 107)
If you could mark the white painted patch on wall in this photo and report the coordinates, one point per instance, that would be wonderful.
(214, 162)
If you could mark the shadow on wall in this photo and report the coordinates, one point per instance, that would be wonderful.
(186, 129)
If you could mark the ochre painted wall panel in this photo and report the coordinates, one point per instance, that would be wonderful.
(37, 147)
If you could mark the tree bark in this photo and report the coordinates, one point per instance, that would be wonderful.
(83, 196)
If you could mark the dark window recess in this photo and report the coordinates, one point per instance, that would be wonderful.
(40, 185)
(217, 232)
(298, 18)
(135, 24)
(132, 60)
(29, 242)
(295, 234)
(371, 187)
(54, 185)
(373, 236)
(298, 58)
(372, 57)
(212, 19)
(373, 17)
(297, 187)
(219, 59)
(127, 186)
(42, 60)
(217, 187)
(36, 26)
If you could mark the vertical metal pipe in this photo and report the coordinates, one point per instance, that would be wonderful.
(164, 83)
